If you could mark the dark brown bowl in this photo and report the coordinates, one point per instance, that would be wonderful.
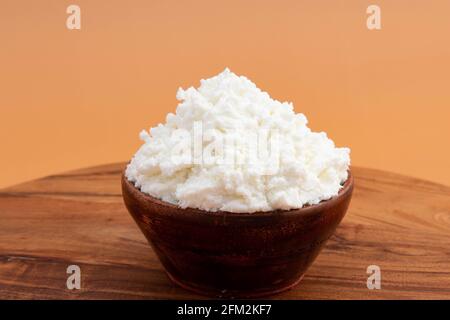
(239, 255)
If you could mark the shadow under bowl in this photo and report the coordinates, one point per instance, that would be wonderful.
(235, 255)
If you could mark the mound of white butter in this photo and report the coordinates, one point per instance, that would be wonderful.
(231, 147)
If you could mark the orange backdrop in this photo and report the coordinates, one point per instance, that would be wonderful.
(72, 98)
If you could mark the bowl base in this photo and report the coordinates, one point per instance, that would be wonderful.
(232, 294)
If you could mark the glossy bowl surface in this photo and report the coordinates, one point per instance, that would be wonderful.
(235, 255)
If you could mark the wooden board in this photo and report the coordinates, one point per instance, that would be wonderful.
(400, 224)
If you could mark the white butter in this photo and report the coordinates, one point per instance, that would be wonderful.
(306, 169)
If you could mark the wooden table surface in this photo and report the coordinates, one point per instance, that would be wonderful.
(399, 223)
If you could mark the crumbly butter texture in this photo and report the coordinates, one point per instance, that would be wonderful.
(310, 168)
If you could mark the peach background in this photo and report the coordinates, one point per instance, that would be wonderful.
(71, 99)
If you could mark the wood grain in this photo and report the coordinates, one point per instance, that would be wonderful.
(398, 223)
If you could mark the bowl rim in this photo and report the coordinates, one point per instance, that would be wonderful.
(346, 189)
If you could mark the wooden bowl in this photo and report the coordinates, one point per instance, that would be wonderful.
(235, 255)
